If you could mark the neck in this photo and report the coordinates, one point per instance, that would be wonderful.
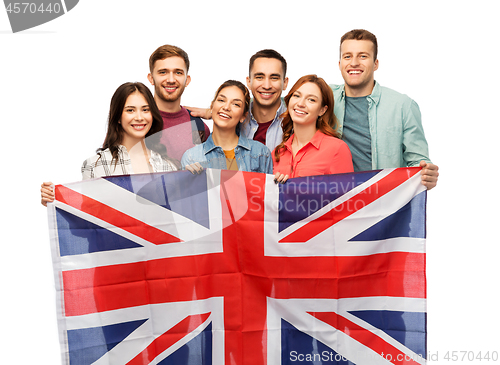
(225, 139)
(355, 92)
(134, 146)
(263, 114)
(168, 106)
(303, 134)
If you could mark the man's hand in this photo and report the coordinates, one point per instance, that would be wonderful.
(429, 174)
(200, 112)
(47, 193)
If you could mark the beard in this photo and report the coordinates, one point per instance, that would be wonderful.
(169, 97)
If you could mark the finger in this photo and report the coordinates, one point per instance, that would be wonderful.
(190, 169)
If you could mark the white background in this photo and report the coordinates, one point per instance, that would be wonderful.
(57, 79)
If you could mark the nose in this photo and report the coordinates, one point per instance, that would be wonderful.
(267, 83)
(354, 61)
(301, 101)
(170, 77)
(139, 115)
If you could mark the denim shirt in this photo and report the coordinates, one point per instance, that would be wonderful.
(250, 156)
(274, 134)
(397, 135)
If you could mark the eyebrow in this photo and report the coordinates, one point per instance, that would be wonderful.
(225, 97)
(133, 106)
(307, 95)
(167, 69)
(263, 74)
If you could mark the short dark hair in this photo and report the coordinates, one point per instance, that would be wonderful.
(361, 35)
(268, 53)
(167, 51)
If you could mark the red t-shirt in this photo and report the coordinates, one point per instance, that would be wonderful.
(260, 134)
(177, 133)
(323, 155)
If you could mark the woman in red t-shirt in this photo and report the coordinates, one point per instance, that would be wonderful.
(311, 144)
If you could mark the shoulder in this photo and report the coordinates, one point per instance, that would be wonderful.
(337, 89)
(388, 94)
(333, 144)
(196, 150)
(98, 158)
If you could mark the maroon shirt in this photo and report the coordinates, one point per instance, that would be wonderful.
(177, 135)
(260, 134)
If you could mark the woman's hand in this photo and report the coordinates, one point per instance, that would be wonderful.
(195, 168)
(280, 178)
(47, 193)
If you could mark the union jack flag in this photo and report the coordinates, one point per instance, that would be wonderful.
(229, 268)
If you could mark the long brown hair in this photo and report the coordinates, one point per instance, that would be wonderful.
(114, 134)
(327, 123)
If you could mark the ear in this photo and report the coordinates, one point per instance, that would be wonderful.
(285, 83)
(323, 110)
(151, 80)
(188, 80)
(248, 82)
(244, 117)
(375, 68)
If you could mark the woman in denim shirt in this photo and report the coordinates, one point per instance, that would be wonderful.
(225, 149)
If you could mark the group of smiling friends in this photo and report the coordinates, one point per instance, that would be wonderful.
(316, 129)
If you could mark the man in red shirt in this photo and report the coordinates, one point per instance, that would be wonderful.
(169, 66)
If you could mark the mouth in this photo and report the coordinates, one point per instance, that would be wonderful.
(354, 72)
(266, 95)
(139, 127)
(224, 116)
(299, 112)
(170, 89)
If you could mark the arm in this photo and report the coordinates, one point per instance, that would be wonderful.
(87, 170)
(188, 164)
(200, 112)
(47, 193)
(416, 150)
(342, 160)
(414, 143)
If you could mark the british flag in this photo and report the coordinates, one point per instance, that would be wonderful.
(229, 268)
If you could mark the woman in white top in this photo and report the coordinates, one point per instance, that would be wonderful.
(132, 142)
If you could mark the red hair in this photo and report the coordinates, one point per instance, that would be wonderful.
(327, 123)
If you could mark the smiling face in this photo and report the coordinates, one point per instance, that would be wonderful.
(169, 78)
(136, 119)
(266, 82)
(306, 105)
(228, 108)
(358, 65)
